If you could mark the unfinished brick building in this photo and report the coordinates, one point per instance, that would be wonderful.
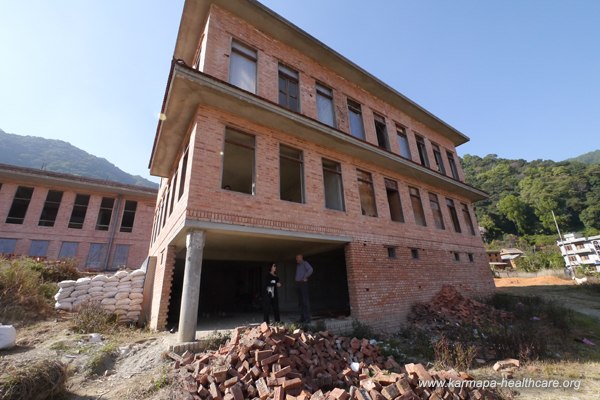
(103, 225)
(273, 144)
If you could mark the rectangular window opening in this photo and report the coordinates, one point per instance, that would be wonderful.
(105, 214)
(238, 162)
(288, 88)
(439, 163)
(333, 186)
(393, 198)
(39, 248)
(183, 172)
(414, 254)
(471, 258)
(242, 67)
(119, 260)
(325, 110)
(51, 206)
(128, 216)
(417, 206)
(381, 131)
(357, 128)
(97, 256)
(403, 142)
(68, 250)
(79, 211)
(19, 206)
(453, 215)
(291, 174)
(173, 190)
(8, 246)
(456, 255)
(422, 151)
(452, 164)
(391, 251)
(467, 217)
(438, 219)
(366, 193)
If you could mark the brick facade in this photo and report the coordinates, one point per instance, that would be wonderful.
(382, 286)
(42, 181)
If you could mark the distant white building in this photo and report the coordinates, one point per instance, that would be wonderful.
(579, 250)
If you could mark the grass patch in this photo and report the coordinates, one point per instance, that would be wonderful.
(102, 360)
(361, 330)
(213, 341)
(26, 296)
(92, 318)
(40, 380)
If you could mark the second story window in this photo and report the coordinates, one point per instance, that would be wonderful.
(79, 210)
(422, 151)
(105, 214)
(468, 219)
(403, 142)
(183, 172)
(452, 164)
(19, 206)
(332, 182)
(242, 67)
(357, 129)
(436, 211)
(51, 206)
(291, 174)
(417, 206)
(288, 88)
(325, 112)
(381, 131)
(366, 194)
(238, 162)
(453, 215)
(393, 197)
(128, 216)
(439, 163)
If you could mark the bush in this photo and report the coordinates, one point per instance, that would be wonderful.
(361, 330)
(40, 380)
(92, 318)
(543, 259)
(54, 271)
(24, 293)
(453, 355)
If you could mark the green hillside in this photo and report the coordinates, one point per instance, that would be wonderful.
(593, 157)
(60, 156)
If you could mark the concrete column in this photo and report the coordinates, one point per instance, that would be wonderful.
(190, 296)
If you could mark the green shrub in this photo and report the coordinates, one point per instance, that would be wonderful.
(92, 318)
(54, 271)
(361, 330)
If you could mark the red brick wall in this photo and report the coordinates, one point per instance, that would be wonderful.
(223, 27)
(165, 265)
(138, 239)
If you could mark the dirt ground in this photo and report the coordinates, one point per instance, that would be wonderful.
(537, 281)
(128, 364)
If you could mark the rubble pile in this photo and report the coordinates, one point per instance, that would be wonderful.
(270, 362)
(451, 307)
(121, 293)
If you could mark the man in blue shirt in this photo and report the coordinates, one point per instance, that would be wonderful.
(303, 271)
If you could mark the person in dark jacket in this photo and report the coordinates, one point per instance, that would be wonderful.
(270, 295)
(303, 271)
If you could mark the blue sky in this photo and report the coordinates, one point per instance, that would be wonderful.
(520, 78)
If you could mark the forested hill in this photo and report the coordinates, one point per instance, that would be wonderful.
(523, 195)
(593, 157)
(59, 156)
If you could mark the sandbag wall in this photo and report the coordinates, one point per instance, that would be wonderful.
(121, 293)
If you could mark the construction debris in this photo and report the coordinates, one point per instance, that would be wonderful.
(270, 362)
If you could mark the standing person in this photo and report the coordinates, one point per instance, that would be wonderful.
(270, 295)
(303, 271)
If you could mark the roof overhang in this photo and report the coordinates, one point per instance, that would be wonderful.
(194, 17)
(58, 180)
(188, 89)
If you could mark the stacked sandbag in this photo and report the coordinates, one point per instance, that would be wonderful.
(121, 293)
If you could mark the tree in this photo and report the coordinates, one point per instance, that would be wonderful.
(514, 210)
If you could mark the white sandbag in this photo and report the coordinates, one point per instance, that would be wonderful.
(108, 307)
(63, 305)
(66, 284)
(133, 315)
(84, 287)
(96, 284)
(96, 296)
(120, 311)
(125, 279)
(120, 274)
(84, 280)
(124, 289)
(137, 285)
(96, 289)
(77, 293)
(122, 303)
(108, 301)
(137, 272)
(136, 296)
(122, 295)
(110, 294)
(135, 307)
(137, 301)
(137, 290)
(61, 295)
(112, 279)
(8, 336)
(113, 284)
(100, 278)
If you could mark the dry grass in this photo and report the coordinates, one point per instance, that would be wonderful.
(40, 380)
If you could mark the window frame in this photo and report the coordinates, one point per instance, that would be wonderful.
(391, 186)
(422, 150)
(468, 219)
(415, 195)
(51, 208)
(401, 131)
(240, 49)
(381, 133)
(366, 178)
(335, 171)
(103, 227)
(433, 203)
(300, 162)
(79, 207)
(355, 107)
(437, 157)
(20, 199)
(452, 165)
(126, 212)
(290, 76)
(321, 92)
(233, 142)
(453, 215)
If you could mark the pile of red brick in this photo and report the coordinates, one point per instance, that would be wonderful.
(271, 363)
(449, 306)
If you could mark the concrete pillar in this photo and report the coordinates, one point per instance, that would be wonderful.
(190, 296)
